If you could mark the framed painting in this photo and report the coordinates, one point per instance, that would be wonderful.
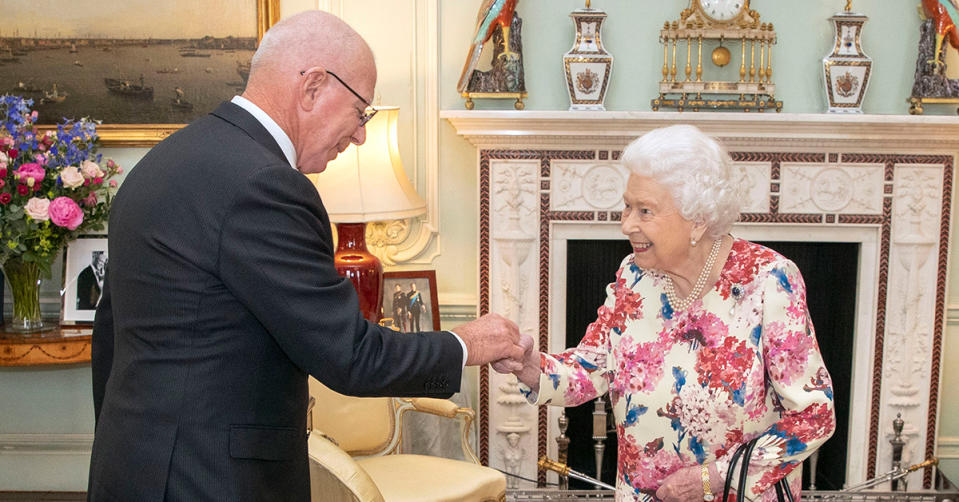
(84, 265)
(145, 68)
(409, 301)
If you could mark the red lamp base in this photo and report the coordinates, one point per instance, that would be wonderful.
(356, 263)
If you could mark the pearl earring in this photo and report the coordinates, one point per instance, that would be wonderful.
(692, 242)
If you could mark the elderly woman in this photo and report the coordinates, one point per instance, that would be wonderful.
(704, 341)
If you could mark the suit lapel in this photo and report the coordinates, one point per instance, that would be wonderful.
(241, 118)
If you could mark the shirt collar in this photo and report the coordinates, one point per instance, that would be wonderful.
(271, 127)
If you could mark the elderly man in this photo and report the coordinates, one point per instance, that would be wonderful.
(221, 296)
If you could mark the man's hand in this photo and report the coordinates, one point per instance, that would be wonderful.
(510, 366)
(491, 338)
(686, 484)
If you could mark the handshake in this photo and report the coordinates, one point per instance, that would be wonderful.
(495, 340)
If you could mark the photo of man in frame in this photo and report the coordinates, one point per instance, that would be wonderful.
(90, 281)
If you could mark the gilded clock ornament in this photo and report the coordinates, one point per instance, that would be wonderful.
(726, 22)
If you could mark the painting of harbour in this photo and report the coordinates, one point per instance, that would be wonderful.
(99, 60)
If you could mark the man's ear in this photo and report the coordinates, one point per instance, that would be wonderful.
(311, 87)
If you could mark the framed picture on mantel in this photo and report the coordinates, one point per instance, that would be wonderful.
(142, 67)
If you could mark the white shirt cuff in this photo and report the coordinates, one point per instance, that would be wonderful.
(462, 344)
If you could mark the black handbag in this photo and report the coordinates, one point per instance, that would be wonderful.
(745, 452)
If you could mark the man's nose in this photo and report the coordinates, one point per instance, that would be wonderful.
(359, 137)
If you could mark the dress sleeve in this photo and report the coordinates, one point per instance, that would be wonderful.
(579, 374)
(796, 379)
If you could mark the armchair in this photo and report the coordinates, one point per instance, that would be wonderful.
(354, 455)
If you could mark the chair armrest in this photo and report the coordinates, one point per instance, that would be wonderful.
(334, 475)
(443, 408)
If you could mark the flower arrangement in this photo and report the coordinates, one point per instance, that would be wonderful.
(54, 186)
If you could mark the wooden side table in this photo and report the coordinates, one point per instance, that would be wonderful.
(61, 345)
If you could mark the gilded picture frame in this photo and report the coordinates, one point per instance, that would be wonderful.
(147, 134)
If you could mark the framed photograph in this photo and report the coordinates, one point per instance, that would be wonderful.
(84, 263)
(142, 67)
(409, 301)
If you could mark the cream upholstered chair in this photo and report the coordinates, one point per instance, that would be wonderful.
(353, 453)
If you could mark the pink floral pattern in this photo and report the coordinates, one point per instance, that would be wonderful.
(689, 387)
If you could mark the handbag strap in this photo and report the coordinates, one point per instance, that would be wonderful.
(782, 487)
(745, 452)
(744, 471)
(732, 467)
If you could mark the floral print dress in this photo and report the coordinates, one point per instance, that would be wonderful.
(688, 387)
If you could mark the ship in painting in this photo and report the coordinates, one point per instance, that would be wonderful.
(243, 70)
(53, 96)
(125, 87)
(189, 52)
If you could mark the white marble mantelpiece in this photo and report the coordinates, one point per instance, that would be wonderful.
(550, 129)
(882, 181)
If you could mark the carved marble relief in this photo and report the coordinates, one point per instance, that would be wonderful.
(514, 207)
(587, 186)
(831, 189)
(756, 180)
(911, 311)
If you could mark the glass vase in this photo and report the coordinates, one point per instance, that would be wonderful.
(24, 280)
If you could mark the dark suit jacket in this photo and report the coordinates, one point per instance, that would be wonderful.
(220, 297)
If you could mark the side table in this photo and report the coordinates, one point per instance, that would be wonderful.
(60, 345)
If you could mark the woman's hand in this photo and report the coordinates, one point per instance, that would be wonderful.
(686, 484)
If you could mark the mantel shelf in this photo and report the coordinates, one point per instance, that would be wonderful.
(565, 129)
(60, 345)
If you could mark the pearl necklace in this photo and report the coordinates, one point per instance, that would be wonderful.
(697, 291)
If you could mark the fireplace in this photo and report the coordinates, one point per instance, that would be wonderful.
(829, 270)
(880, 184)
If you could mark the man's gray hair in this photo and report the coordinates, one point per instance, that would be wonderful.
(707, 187)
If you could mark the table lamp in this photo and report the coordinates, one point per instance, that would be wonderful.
(363, 184)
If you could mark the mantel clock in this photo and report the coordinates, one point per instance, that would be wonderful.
(728, 22)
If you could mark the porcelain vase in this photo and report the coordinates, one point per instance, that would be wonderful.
(587, 63)
(847, 68)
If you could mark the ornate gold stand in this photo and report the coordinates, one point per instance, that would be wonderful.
(915, 103)
(518, 96)
(62, 345)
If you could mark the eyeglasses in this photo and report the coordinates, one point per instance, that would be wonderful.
(368, 113)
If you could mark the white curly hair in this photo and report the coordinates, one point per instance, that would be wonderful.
(697, 171)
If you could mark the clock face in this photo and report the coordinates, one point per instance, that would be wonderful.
(721, 10)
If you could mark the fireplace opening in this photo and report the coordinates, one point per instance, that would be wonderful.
(830, 272)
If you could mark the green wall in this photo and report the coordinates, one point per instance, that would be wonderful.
(54, 404)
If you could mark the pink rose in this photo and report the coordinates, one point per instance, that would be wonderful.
(3, 172)
(23, 189)
(113, 183)
(90, 200)
(91, 169)
(70, 177)
(65, 213)
(5, 198)
(37, 208)
(31, 170)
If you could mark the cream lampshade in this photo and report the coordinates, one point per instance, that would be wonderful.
(367, 183)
